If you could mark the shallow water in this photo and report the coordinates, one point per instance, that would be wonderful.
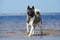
(32, 38)
(14, 25)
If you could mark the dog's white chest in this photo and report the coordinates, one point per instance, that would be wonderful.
(31, 21)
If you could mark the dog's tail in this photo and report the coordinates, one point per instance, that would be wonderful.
(39, 15)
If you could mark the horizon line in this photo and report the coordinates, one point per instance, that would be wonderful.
(9, 14)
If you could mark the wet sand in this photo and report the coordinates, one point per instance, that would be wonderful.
(23, 33)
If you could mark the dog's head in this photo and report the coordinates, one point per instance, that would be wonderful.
(30, 11)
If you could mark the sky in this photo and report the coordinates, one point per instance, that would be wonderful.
(20, 6)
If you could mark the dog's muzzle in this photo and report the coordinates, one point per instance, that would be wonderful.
(31, 15)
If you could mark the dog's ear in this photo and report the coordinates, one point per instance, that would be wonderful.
(32, 7)
(28, 7)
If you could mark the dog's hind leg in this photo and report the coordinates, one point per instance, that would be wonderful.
(40, 26)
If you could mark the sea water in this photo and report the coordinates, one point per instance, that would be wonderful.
(18, 22)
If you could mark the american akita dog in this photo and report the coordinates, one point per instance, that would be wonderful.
(33, 19)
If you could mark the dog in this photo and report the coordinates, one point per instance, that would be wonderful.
(33, 19)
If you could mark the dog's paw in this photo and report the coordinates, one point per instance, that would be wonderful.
(29, 35)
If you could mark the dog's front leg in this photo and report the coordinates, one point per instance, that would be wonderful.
(27, 28)
(32, 28)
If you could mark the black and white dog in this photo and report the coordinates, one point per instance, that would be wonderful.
(33, 19)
